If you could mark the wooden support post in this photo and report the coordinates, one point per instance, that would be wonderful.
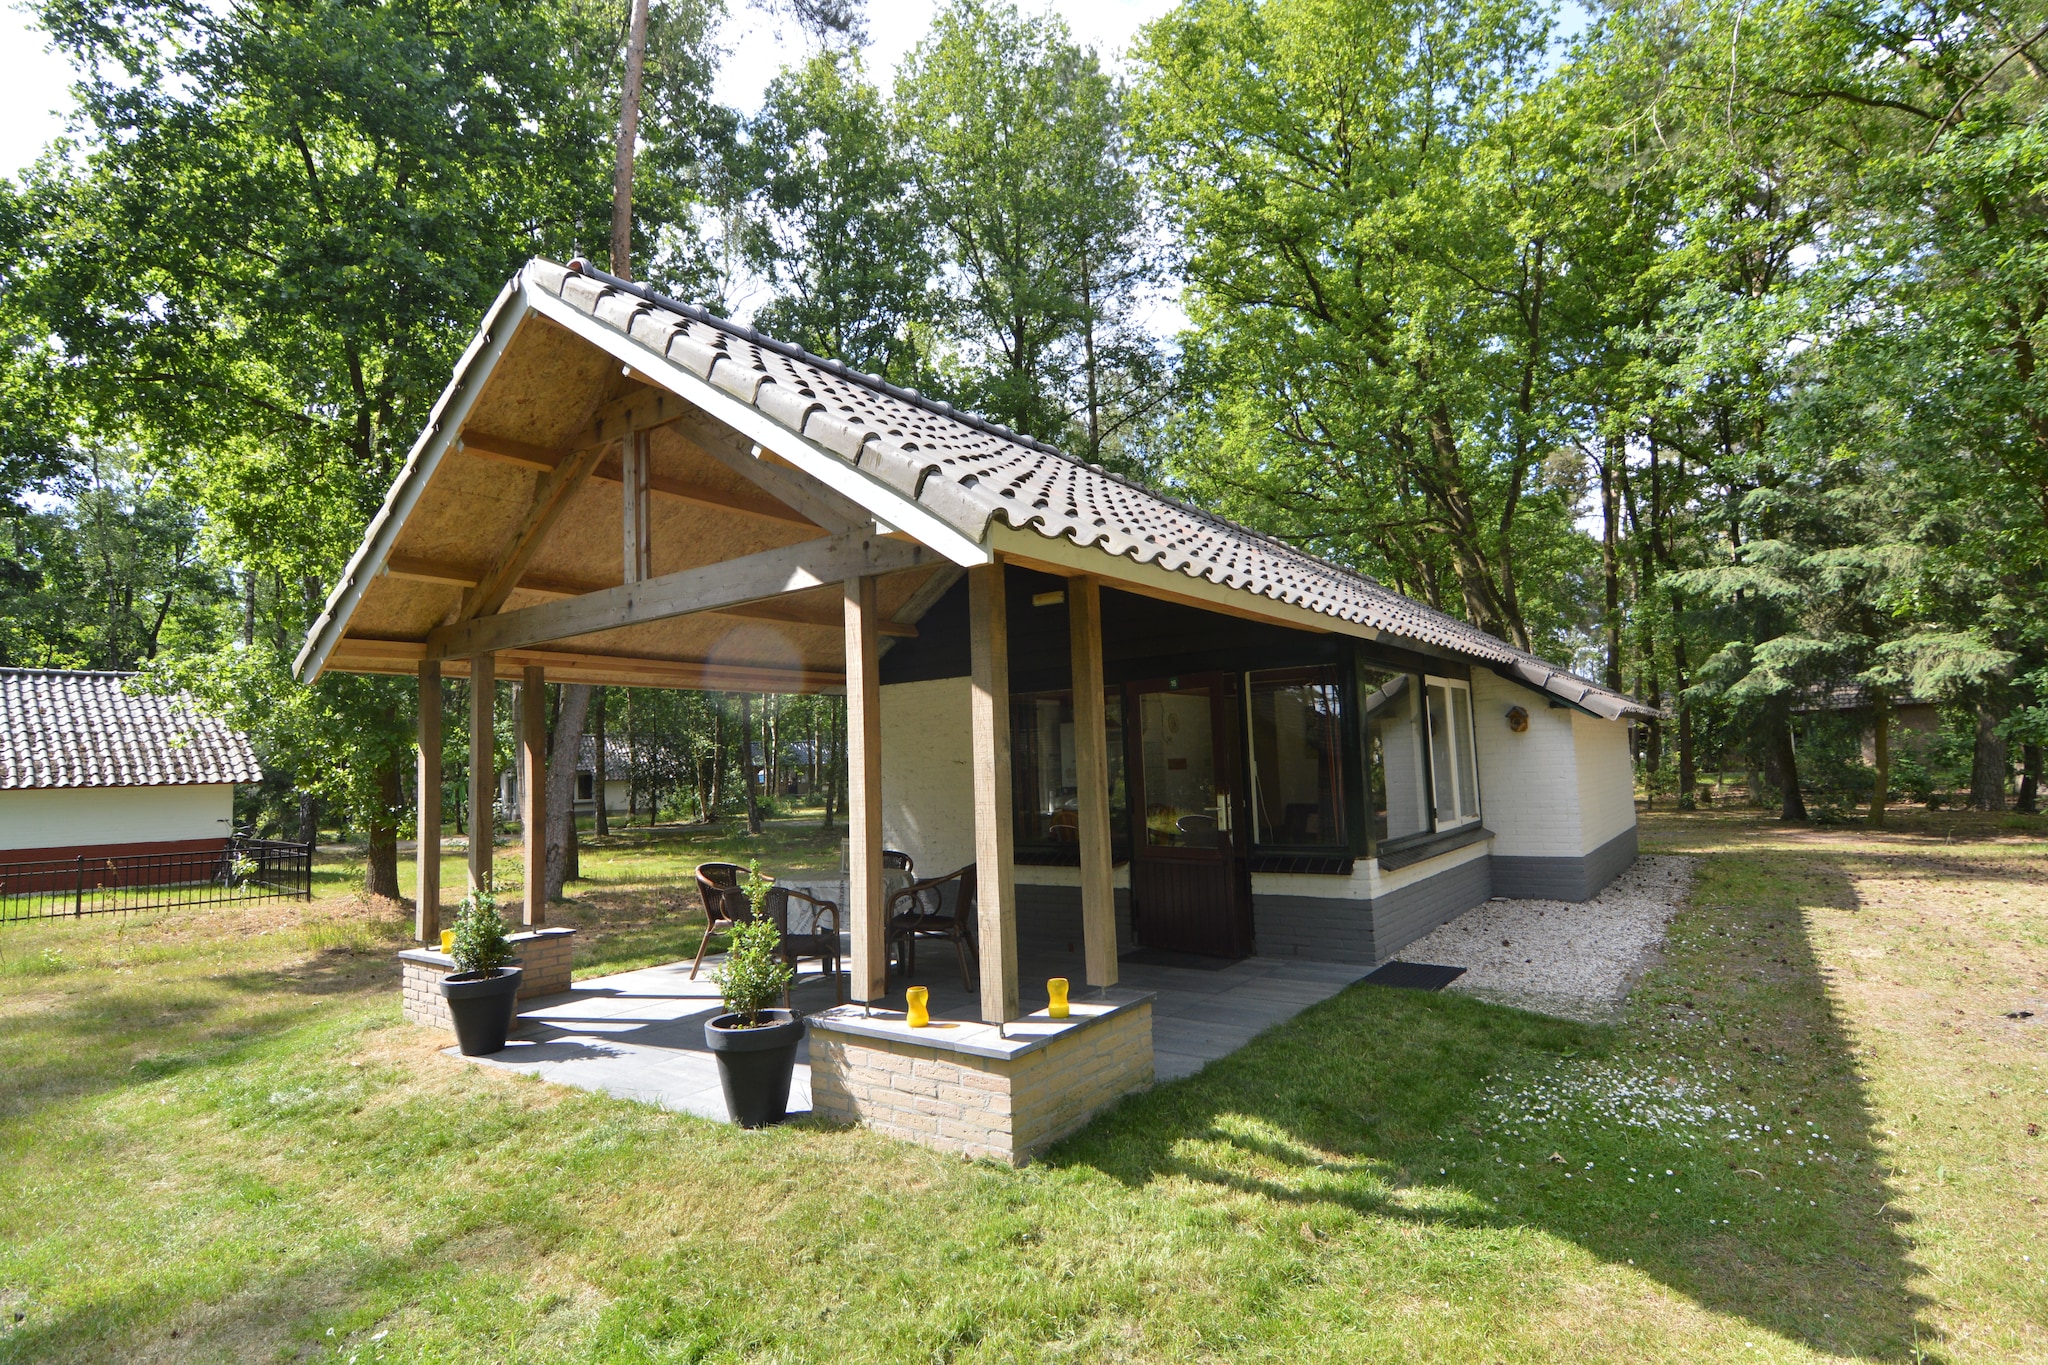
(533, 790)
(426, 914)
(636, 475)
(864, 792)
(1091, 779)
(994, 835)
(483, 771)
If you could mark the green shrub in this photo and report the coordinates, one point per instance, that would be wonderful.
(754, 975)
(481, 947)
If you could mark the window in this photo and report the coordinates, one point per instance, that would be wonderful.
(1296, 783)
(1453, 763)
(1397, 766)
(586, 786)
(1044, 785)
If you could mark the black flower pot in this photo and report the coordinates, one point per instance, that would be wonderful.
(755, 1064)
(483, 1007)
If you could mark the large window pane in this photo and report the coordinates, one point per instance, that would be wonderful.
(1295, 746)
(1045, 789)
(1397, 772)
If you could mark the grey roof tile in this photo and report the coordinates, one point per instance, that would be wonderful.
(968, 471)
(63, 728)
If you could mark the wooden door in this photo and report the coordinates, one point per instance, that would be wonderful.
(1189, 889)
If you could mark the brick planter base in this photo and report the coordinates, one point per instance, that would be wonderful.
(544, 953)
(966, 1088)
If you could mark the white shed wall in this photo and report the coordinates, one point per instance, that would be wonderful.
(1529, 792)
(68, 817)
(1606, 780)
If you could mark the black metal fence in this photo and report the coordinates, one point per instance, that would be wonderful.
(245, 869)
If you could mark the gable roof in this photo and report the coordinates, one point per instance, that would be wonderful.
(64, 728)
(949, 479)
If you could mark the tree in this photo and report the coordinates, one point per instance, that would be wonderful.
(282, 226)
(837, 227)
(1017, 134)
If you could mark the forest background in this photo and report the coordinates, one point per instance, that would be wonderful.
(1694, 344)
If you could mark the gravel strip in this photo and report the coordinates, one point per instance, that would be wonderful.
(1573, 959)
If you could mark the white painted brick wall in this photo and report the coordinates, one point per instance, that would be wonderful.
(70, 817)
(928, 773)
(1528, 783)
(1606, 780)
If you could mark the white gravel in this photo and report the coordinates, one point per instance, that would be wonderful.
(1574, 959)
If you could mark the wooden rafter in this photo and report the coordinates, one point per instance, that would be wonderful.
(356, 654)
(456, 575)
(550, 496)
(609, 471)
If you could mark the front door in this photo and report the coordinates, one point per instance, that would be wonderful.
(1189, 888)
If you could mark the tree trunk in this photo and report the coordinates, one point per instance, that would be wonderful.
(2030, 780)
(309, 818)
(1793, 807)
(828, 774)
(599, 775)
(717, 796)
(750, 771)
(1881, 754)
(1610, 553)
(1688, 775)
(629, 132)
(571, 712)
(1988, 763)
(380, 868)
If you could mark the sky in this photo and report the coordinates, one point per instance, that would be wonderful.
(35, 83)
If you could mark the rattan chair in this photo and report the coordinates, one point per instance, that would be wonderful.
(939, 907)
(725, 903)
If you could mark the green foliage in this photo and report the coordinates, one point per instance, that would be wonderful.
(754, 974)
(481, 947)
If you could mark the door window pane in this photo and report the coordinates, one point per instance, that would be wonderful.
(1177, 746)
(1396, 771)
(1295, 746)
(1043, 759)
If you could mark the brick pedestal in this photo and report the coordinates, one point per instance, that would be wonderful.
(968, 1088)
(543, 953)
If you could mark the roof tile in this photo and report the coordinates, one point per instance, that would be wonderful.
(62, 728)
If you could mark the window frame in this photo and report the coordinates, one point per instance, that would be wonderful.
(1460, 746)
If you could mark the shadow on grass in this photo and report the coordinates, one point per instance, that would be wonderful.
(1360, 1102)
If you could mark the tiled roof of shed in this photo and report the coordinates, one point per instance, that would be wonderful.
(62, 728)
(967, 471)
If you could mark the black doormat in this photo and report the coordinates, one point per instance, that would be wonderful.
(1415, 976)
(1161, 957)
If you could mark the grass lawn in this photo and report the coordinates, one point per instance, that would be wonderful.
(1815, 1135)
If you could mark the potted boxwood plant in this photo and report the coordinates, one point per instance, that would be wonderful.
(755, 1044)
(483, 990)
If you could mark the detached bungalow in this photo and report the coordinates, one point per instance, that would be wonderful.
(1147, 727)
(89, 768)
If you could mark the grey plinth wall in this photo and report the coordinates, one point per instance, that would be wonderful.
(1565, 879)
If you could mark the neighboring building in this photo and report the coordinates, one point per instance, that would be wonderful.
(1300, 761)
(89, 767)
(1915, 724)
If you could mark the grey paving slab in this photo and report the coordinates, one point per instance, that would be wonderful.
(640, 1034)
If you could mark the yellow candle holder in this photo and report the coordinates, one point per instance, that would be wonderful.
(920, 1015)
(447, 940)
(1056, 990)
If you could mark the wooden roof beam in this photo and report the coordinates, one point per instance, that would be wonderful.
(709, 587)
(463, 576)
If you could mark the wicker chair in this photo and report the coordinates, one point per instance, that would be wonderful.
(939, 907)
(725, 903)
(821, 940)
